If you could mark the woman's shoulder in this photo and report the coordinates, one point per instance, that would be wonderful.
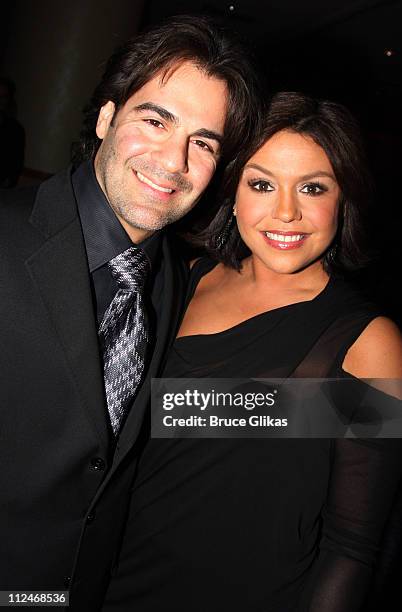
(377, 352)
(201, 267)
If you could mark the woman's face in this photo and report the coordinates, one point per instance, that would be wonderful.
(287, 203)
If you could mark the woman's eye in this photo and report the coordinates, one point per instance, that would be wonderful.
(203, 145)
(154, 122)
(261, 185)
(313, 189)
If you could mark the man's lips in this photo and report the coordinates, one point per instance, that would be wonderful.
(147, 181)
(284, 241)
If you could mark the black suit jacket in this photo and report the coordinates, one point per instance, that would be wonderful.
(63, 497)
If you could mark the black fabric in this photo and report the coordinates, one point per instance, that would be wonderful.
(287, 525)
(55, 451)
(105, 237)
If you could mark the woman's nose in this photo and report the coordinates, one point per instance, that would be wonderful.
(287, 207)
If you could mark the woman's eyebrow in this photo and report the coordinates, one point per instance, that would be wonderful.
(305, 177)
(258, 167)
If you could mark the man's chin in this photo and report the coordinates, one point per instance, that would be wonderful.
(149, 218)
(150, 223)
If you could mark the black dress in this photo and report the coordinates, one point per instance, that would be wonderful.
(261, 525)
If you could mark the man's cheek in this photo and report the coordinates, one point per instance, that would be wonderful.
(133, 143)
(205, 174)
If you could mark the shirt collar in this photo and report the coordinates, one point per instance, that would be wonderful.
(104, 235)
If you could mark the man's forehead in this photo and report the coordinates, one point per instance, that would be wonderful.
(166, 73)
(180, 72)
(179, 89)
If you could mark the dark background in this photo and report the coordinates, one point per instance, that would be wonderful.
(347, 50)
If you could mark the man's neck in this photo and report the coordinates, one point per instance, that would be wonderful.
(135, 234)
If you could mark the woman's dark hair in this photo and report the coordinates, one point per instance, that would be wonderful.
(183, 38)
(333, 128)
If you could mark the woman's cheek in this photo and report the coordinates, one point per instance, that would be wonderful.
(327, 216)
(251, 210)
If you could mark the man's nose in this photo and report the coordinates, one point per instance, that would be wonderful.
(287, 207)
(172, 154)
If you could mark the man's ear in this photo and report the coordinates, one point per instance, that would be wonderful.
(105, 117)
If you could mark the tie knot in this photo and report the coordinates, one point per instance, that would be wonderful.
(130, 269)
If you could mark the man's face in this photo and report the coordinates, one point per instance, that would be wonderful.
(161, 149)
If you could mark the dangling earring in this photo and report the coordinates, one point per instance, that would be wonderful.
(331, 253)
(224, 235)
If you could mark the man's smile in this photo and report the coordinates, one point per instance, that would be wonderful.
(148, 181)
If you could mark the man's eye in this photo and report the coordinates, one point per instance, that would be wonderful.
(313, 189)
(203, 145)
(154, 122)
(261, 185)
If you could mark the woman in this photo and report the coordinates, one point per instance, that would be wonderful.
(274, 524)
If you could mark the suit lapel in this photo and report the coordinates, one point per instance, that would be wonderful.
(59, 270)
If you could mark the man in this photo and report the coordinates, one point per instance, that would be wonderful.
(84, 327)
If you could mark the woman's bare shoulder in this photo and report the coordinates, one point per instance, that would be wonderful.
(377, 352)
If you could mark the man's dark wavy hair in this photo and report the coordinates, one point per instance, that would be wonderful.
(334, 129)
(182, 38)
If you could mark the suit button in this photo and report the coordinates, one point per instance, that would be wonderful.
(66, 581)
(98, 464)
(91, 517)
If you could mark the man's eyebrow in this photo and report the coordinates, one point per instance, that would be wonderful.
(210, 134)
(159, 110)
(168, 116)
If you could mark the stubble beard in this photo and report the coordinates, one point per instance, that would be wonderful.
(149, 214)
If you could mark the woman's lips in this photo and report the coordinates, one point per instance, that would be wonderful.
(284, 241)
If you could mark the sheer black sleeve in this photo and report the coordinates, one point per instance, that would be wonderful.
(364, 478)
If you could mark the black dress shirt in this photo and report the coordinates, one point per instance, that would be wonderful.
(105, 238)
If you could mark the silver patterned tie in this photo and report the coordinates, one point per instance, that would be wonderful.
(124, 334)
